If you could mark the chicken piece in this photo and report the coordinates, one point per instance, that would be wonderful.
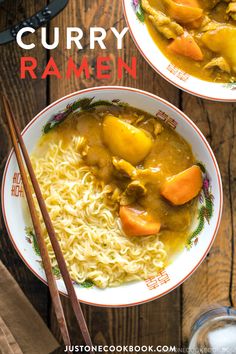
(124, 167)
(163, 24)
(146, 175)
(219, 62)
(231, 10)
(126, 199)
(133, 192)
(209, 5)
(148, 8)
(213, 3)
(158, 128)
(100, 160)
(209, 25)
(136, 188)
(140, 119)
(116, 195)
(149, 175)
(166, 27)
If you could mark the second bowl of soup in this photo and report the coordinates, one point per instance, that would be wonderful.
(189, 42)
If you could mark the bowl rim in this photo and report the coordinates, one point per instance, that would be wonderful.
(185, 118)
(171, 81)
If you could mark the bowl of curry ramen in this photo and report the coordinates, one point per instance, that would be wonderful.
(191, 43)
(132, 188)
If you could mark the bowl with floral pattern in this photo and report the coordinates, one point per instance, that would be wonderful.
(136, 21)
(204, 227)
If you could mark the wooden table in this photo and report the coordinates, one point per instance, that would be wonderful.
(166, 321)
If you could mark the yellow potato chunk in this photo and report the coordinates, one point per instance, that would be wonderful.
(222, 40)
(126, 141)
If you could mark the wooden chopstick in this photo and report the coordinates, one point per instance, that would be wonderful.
(38, 231)
(48, 223)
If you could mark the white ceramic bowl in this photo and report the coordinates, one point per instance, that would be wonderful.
(184, 264)
(162, 65)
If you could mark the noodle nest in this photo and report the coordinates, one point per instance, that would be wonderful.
(86, 221)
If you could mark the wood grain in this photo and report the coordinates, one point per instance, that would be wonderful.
(27, 97)
(232, 184)
(212, 284)
(12, 12)
(158, 322)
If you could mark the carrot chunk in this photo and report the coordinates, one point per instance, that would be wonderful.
(184, 11)
(137, 222)
(183, 187)
(185, 45)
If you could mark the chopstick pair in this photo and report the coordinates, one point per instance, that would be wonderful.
(17, 139)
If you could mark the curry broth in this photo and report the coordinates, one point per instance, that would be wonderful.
(169, 155)
(194, 68)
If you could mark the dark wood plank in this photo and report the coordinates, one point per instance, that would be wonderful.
(212, 284)
(27, 97)
(232, 181)
(154, 323)
(12, 12)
